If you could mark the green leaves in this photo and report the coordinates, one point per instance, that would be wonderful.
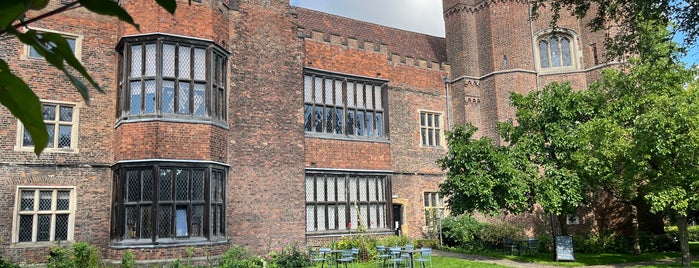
(23, 104)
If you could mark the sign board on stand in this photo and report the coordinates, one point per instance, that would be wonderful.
(564, 248)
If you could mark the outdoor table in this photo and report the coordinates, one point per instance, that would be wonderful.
(410, 252)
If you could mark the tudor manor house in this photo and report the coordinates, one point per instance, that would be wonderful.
(257, 123)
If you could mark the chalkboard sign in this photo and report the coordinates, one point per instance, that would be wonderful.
(564, 248)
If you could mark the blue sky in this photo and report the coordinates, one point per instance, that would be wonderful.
(422, 16)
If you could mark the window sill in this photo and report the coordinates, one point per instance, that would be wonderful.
(188, 120)
(346, 138)
(41, 244)
(165, 243)
(47, 150)
(340, 233)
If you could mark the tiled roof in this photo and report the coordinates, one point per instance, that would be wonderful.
(405, 43)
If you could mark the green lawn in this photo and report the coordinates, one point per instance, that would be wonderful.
(437, 261)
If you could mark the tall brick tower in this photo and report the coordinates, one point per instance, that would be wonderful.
(494, 49)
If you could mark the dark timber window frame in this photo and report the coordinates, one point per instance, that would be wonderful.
(345, 106)
(191, 216)
(192, 88)
(336, 200)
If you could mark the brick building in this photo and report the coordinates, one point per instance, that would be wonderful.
(259, 124)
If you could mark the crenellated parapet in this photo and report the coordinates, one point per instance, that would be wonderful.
(475, 6)
(371, 46)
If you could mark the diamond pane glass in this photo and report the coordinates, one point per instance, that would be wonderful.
(198, 185)
(338, 93)
(197, 220)
(307, 118)
(318, 90)
(27, 139)
(350, 126)
(544, 54)
(61, 232)
(382, 216)
(48, 112)
(369, 124)
(369, 96)
(64, 134)
(66, 114)
(310, 193)
(565, 51)
(150, 60)
(136, 60)
(372, 189)
(26, 225)
(373, 223)
(27, 203)
(168, 97)
(381, 191)
(329, 128)
(63, 200)
(320, 189)
(133, 186)
(350, 95)
(341, 193)
(342, 217)
(332, 217)
(51, 130)
(331, 189)
(318, 119)
(340, 119)
(353, 217)
(147, 185)
(363, 196)
(379, 124)
(165, 185)
(184, 62)
(181, 228)
(199, 64)
(164, 221)
(168, 60)
(182, 191)
(44, 228)
(363, 215)
(328, 91)
(131, 223)
(199, 100)
(149, 100)
(183, 98)
(307, 89)
(360, 96)
(45, 198)
(136, 94)
(377, 98)
(310, 216)
(361, 131)
(555, 52)
(219, 187)
(146, 222)
(321, 218)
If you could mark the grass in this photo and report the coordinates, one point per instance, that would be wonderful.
(437, 261)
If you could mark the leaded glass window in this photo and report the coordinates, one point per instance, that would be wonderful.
(343, 106)
(431, 129)
(172, 77)
(169, 203)
(44, 214)
(61, 120)
(556, 50)
(341, 202)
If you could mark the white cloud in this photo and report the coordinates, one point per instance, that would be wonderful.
(422, 16)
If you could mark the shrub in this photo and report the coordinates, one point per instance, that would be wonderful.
(674, 233)
(128, 260)
(60, 257)
(290, 256)
(85, 255)
(460, 231)
(491, 235)
(7, 264)
(365, 243)
(238, 257)
(394, 241)
(427, 243)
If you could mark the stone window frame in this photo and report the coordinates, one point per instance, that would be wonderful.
(148, 206)
(338, 94)
(575, 52)
(54, 145)
(28, 54)
(54, 212)
(433, 202)
(428, 127)
(153, 79)
(333, 209)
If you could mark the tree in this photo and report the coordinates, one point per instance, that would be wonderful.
(485, 177)
(15, 94)
(626, 19)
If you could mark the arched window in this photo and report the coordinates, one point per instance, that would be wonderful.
(556, 50)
